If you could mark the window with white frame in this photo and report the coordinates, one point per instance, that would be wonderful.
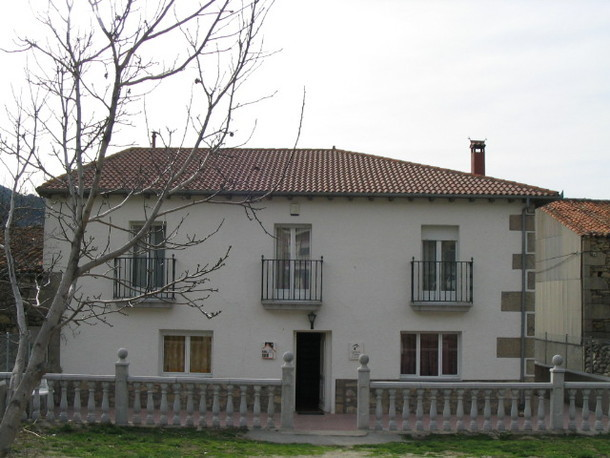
(439, 256)
(149, 265)
(186, 352)
(429, 354)
(293, 251)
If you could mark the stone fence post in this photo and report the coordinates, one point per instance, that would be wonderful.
(364, 393)
(287, 414)
(557, 394)
(121, 398)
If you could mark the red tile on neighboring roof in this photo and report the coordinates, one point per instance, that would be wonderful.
(585, 217)
(304, 171)
(26, 246)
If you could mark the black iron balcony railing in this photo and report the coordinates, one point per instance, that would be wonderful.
(441, 281)
(138, 275)
(291, 280)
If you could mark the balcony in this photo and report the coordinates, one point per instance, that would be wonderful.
(291, 284)
(141, 275)
(441, 285)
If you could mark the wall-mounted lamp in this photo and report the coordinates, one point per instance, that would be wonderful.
(312, 318)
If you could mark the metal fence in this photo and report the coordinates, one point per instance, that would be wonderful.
(292, 280)
(441, 281)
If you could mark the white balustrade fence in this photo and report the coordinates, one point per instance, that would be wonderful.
(428, 407)
(161, 401)
(483, 406)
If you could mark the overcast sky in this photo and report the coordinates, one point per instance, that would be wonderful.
(414, 79)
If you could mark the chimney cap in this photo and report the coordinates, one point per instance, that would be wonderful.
(477, 156)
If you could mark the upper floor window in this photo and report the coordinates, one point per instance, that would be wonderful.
(149, 264)
(292, 251)
(293, 242)
(439, 256)
(429, 354)
(145, 271)
(292, 276)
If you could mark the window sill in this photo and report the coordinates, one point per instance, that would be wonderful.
(187, 374)
(310, 306)
(429, 306)
(153, 303)
(444, 378)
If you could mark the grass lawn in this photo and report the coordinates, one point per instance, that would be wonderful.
(143, 442)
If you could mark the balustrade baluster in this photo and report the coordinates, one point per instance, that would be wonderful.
(63, 403)
(459, 413)
(76, 417)
(50, 414)
(392, 410)
(527, 411)
(105, 403)
(514, 411)
(419, 411)
(433, 410)
(608, 395)
(501, 412)
(585, 410)
(446, 410)
(487, 411)
(378, 409)
(405, 410)
(190, 407)
(163, 406)
(203, 406)
(177, 406)
(216, 407)
(91, 415)
(256, 409)
(36, 404)
(541, 419)
(229, 407)
(137, 404)
(243, 407)
(150, 404)
(271, 407)
(572, 410)
(599, 426)
(474, 410)
(608, 415)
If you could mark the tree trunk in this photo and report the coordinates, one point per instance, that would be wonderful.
(34, 371)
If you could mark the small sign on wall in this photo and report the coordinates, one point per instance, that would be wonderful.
(355, 350)
(269, 350)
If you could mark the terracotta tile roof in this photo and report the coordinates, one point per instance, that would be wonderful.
(26, 246)
(301, 171)
(585, 217)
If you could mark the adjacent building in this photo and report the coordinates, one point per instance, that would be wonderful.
(573, 284)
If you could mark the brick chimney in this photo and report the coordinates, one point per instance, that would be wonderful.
(477, 157)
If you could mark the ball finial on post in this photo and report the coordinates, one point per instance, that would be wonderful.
(122, 353)
(557, 360)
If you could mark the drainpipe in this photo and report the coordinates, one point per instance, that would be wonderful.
(524, 214)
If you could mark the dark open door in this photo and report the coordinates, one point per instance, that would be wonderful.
(308, 372)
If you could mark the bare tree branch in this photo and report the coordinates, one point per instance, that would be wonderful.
(90, 62)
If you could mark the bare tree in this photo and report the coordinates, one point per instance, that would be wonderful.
(93, 64)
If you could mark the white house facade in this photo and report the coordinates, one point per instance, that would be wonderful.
(424, 269)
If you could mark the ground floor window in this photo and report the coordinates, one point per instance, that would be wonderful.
(429, 354)
(187, 353)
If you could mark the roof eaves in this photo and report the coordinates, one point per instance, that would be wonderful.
(207, 192)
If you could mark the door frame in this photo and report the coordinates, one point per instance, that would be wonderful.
(326, 391)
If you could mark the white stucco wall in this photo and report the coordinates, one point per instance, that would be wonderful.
(367, 248)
